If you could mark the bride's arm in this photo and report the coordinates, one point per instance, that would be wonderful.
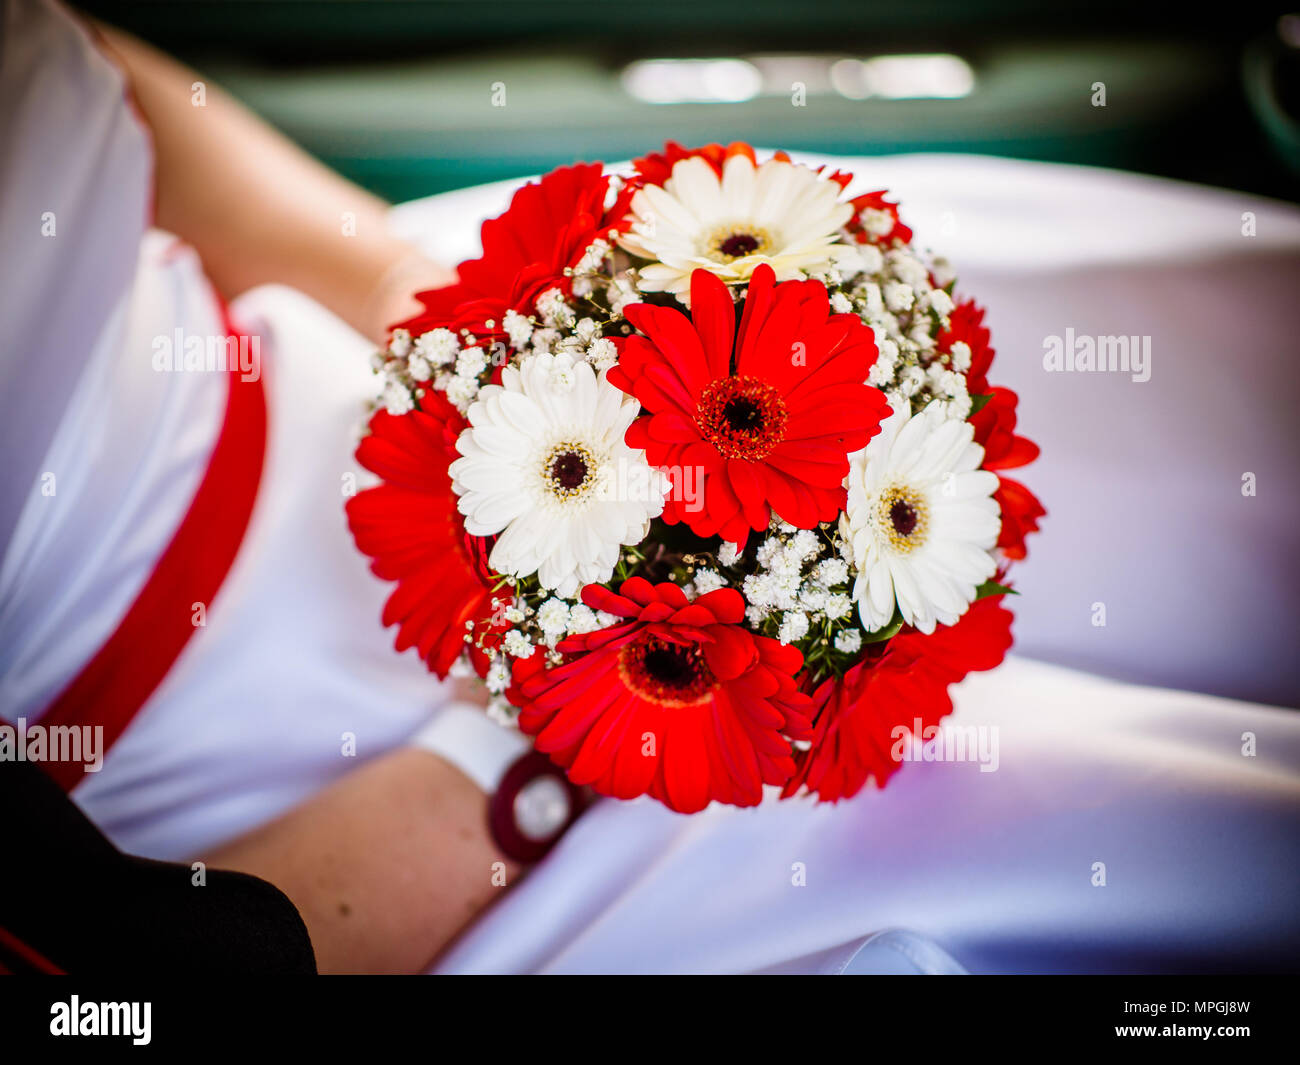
(260, 210)
(385, 866)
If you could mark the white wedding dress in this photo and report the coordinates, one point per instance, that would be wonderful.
(1125, 827)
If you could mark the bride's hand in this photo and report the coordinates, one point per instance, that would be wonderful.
(393, 299)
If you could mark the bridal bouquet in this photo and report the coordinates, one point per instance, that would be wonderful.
(699, 468)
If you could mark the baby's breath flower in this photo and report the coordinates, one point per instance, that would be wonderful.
(805, 544)
(582, 619)
(397, 398)
(876, 222)
(554, 310)
(439, 346)
(517, 645)
(794, 626)
(400, 343)
(837, 606)
(830, 572)
(544, 340)
(462, 391)
(518, 328)
(603, 353)
(899, 296)
(960, 356)
(471, 362)
(848, 641)
(553, 617)
(709, 580)
(498, 675)
(870, 257)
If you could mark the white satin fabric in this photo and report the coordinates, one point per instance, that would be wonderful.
(950, 867)
(1199, 849)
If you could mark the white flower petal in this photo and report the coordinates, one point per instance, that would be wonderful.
(930, 556)
(543, 465)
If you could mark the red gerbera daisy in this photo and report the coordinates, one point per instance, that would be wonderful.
(549, 223)
(411, 529)
(995, 431)
(768, 416)
(856, 717)
(679, 701)
(966, 324)
(863, 233)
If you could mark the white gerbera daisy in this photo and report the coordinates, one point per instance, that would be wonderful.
(777, 213)
(543, 463)
(920, 518)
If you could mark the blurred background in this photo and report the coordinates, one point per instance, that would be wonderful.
(413, 97)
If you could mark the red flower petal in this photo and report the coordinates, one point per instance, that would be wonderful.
(857, 717)
(995, 426)
(411, 529)
(777, 431)
(686, 705)
(549, 223)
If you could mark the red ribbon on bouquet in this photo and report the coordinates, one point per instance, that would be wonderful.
(127, 669)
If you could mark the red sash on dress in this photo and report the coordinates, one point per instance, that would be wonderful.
(118, 681)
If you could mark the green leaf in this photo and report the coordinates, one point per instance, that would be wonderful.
(989, 588)
(977, 402)
(889, 630)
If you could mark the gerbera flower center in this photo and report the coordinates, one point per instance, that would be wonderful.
(743, 417)
(667, 673)
(904, 517)
(737, 240)
(568, 470)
